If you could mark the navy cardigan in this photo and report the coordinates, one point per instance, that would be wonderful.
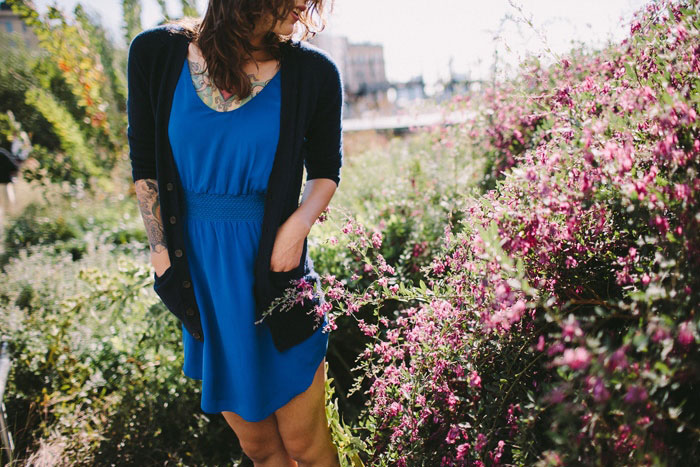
(310, 137)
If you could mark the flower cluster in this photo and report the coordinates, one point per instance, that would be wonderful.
(562, 309)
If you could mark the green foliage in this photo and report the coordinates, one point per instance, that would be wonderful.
(131, 10)
(71, 95)
(189, 8)
(349, 445)
(97, 373)
(17, 75)
(77, 155)
(114, 62)
(70, 222)
(164, 9)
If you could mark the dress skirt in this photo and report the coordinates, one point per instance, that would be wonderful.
(224, 160)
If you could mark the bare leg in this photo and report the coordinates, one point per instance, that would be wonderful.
(260, 441)
(304, 428)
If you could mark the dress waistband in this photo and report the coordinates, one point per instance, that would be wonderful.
(224, 207)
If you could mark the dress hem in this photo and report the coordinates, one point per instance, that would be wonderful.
(218, 408)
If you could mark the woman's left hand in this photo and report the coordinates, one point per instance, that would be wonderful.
(289, 243)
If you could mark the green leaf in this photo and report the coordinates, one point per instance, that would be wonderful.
(661, 366)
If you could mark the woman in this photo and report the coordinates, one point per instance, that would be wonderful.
(223, 114)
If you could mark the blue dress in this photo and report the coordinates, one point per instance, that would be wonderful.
(225, 154)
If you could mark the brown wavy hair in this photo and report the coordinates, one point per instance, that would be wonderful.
(223, 36)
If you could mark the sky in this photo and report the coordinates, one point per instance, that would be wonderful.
(422, 38)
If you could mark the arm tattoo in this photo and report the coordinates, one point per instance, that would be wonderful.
(149, 205)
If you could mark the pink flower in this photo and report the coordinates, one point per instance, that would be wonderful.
(599, 391)
(376, 239)
(556, 395)
(452, 400)
(571, 329)
(480, 442)
(540, 343)
(555, 348)
(462, 450)
(681, 191)
(394, 409)
(575, 359)
(643, 420)
(635, 394)
(475, 379)
(618, 359)
(498, 452)
(322, 309)
(658, 332)
(685, 334)
(681, 33)
(452, 435)
(661, 223)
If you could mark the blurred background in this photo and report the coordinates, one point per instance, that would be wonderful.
(395, 53)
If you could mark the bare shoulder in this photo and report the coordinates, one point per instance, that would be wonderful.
(193, 53)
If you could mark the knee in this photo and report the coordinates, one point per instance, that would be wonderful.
(308, 447)
(260, 451)
(302, 449)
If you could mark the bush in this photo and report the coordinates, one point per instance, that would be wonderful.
(96, 375)
(558, 322)
(71, 220)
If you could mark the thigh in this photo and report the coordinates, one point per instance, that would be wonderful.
(304, 417)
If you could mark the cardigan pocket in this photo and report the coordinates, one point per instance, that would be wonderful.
(290, 326)
(281, 279)
(166, 287)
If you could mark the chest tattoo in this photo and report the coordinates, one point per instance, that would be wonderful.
(213, 97)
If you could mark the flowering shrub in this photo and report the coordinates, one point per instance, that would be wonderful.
(557, 323)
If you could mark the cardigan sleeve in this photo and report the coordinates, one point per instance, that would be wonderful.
(141, 118)
(324, 137)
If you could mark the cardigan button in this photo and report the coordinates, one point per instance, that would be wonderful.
(169, 186)
(196, 335)
(172, 219)
(186, 284)
(178, 252)
(190, 311)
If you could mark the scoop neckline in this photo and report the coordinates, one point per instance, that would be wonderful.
(196, 94)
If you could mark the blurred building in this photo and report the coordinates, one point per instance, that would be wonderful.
(408, 91)
(10, 23)
(363, 70)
